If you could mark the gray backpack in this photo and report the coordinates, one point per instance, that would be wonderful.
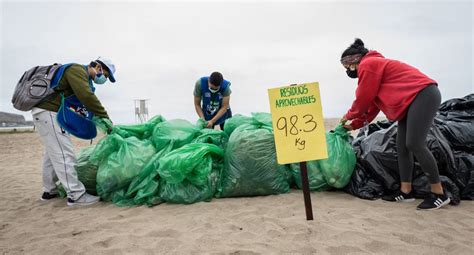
(34, 86)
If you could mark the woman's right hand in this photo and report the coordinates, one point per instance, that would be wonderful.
(348, 127)
(343, 120)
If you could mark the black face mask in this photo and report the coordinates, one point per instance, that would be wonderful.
(352, 74)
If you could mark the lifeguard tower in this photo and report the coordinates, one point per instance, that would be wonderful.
(141, 110)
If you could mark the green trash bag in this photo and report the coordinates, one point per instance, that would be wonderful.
(144, 188)
(61, 191)
(103, 124)
(120, 198)
(257, 119)
(140, 131)
(86, 170)
(317, 182)
(175, 132)
(212, 136)
(235, 121)
(250, 165)
(338, 167)
(190, 174)
(120, 160)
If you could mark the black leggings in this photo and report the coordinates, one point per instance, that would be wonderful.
(412, 133)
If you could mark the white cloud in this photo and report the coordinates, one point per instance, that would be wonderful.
(161, 49)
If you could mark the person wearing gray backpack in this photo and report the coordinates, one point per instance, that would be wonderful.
(61, 85)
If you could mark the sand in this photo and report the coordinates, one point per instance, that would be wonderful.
(261, 225)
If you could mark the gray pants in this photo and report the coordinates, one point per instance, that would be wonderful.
(59, 159)
(412, 133)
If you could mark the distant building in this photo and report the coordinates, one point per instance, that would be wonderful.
(13, 120)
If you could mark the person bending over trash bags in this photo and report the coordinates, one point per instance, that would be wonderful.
(211, 100)
(68, 107)
(406, 95)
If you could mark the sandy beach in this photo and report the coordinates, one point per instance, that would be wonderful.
(261, 225)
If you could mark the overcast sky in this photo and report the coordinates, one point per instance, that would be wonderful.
(161, 48)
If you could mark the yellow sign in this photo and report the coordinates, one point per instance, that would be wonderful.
(298, 123)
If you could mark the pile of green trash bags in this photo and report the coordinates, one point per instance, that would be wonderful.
(251, 169)
(159, 161)
(176, 161)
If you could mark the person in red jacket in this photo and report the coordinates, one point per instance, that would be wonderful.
(405, 95)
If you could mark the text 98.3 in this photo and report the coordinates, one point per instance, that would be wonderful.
(293, 126)
(296, 126)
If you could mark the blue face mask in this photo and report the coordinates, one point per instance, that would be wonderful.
(100, 78)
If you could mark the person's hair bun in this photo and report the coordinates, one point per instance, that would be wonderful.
(357, 47)
(358, 43)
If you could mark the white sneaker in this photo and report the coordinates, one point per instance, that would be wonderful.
(86, 199)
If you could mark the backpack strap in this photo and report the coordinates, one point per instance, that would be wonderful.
(58, 75)
(62, 105)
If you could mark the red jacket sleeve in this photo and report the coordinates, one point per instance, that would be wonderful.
(367, 90)
(372, 112)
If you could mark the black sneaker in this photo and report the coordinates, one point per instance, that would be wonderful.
(399, 196)
(47, 196)
(434, 201)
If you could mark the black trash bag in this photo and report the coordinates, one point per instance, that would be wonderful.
(450, 140)
(377, 155)
(458, 116)
(465, 173)
(374, 127)
(465, 104)
(370, 129)
(363, 184)
(454, 164)
(460, 134)
(455, 119)
(377, 170)
(442, 152)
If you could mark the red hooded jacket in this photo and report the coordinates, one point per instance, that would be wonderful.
(384, 85)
